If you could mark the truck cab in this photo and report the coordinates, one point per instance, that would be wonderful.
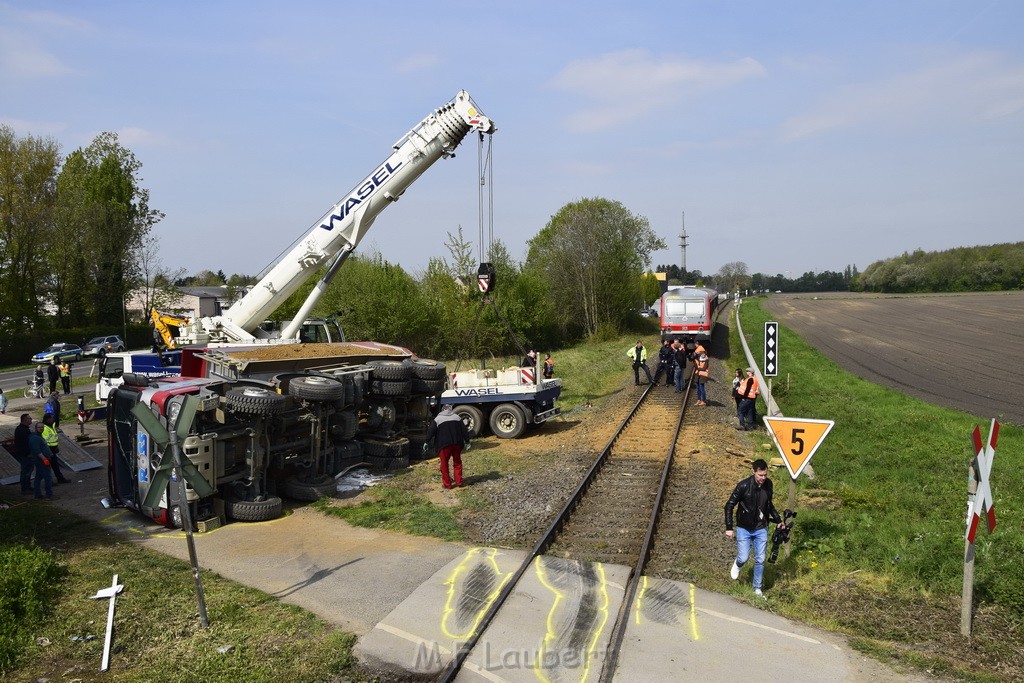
(114, 366)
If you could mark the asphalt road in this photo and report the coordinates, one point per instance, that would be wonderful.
(962, 351)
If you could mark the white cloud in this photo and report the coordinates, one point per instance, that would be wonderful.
(137, 137)
(37, 128)
(418, 62)
(631, 84)
(970, 88)
(22, 58)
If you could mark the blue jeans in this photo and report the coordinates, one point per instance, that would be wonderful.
(702, 393)
(679, 378)
(760, 541)
(43, 475)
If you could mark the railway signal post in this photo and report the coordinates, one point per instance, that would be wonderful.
(771, 359)
(979, 501)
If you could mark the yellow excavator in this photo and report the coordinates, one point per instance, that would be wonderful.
(165, 327)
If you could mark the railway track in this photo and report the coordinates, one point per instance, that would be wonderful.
(612, 516)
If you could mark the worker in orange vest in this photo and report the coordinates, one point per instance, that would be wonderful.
(748, 392)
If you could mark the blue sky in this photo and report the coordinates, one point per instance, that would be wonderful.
(795, 135)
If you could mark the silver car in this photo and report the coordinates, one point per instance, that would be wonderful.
(101, 346)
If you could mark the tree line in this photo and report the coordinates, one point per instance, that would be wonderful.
(963, 269)
(68, 229)
(76, 240)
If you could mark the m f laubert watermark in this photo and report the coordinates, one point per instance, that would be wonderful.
(432, 657)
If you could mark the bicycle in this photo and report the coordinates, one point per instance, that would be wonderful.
(34, 390)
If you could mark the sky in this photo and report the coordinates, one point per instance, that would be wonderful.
(791, 136)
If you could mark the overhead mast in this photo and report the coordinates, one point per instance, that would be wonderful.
(682, 242)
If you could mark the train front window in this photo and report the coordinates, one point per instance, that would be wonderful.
(688, 309)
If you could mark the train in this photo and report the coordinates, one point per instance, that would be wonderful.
(688, 313)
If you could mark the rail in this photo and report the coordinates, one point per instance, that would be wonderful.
(548, 537)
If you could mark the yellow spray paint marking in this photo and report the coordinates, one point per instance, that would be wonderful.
(552, 632)
(640, 598)
(489, 555)
(642, 594)
(694, 633)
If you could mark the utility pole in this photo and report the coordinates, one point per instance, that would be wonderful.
(683, 243)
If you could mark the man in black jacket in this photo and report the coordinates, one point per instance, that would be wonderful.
(22, 451)
(754, 496)
(449, 434)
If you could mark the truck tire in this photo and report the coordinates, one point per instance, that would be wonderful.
(345, 426)
(390, 370)
(314, 489)
(254, 401)
(389, 448)
(253, 510)
(472, 417)
(427, 387)
(424, 368)
(507, 421)
(399, 463)
(382, 387)
(316, 388)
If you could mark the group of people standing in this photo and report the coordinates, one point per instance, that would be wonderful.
(672, 359)
(36, 449)
(55, 372)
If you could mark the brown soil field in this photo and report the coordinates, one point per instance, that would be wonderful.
(962, 351)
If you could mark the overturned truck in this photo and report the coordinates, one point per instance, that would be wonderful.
(270, 422)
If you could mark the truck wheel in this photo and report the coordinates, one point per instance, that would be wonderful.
(253, 510)
(382, 387)
(254, 401)
(424, 368)
(345, 426)
(389, 369)
(399, 463)
(507, 421)
(383, 449)
(316, 388)
(472, 417)
(428, 387)
(314, 489)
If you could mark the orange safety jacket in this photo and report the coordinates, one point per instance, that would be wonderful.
(750, 388)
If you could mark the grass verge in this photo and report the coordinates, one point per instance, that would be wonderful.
(252, 636)
(879, 543)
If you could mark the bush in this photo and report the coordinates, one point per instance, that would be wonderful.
(27, 577)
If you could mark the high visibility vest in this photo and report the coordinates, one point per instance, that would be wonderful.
(632, 354)
(50, 436)
(65, 371)
(752, 390)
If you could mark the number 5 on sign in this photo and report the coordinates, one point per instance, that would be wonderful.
(797, 439)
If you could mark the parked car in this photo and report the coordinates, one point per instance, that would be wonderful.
(59, 351)
(101, 346)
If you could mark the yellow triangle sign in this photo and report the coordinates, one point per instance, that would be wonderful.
(797, 439)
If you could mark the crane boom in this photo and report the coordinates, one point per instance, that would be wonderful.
(341, 229)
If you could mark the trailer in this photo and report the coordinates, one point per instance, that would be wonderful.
(506, 401)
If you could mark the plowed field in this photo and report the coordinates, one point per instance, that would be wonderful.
(963, 351)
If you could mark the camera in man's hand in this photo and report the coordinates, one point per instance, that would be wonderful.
(781, 534)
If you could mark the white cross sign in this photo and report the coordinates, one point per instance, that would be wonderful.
(983, 498)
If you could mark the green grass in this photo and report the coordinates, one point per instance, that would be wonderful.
(157, 636)
(392, 508)
(884, 518)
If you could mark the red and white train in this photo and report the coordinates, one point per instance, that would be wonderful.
(688, 313)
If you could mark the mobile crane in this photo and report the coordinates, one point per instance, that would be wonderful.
(260, 420)
(336, 235)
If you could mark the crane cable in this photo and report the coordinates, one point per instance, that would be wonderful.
(485, 175)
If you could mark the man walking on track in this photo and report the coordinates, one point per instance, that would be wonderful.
(449, 434)
(754, 496)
